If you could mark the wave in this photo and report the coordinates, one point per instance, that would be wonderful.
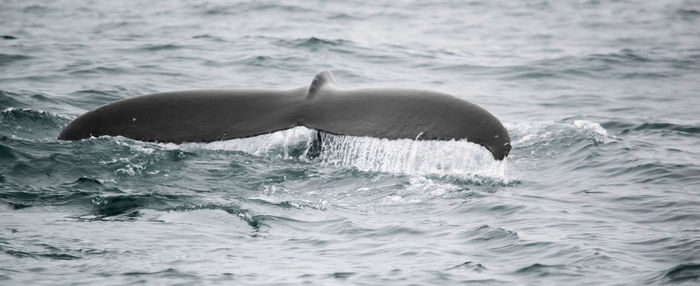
(160, 47)
(587, 145)
(245, 8)
(624, 64)
(99, 70)
(209, 37)
(38, 252)
(680, 129)
(286, 61)
(681, 273)
(545, 270)
(109, 206)
(96, 97)
(314, 42)
(538, 140)
(6, 59)
(476, 267)
(689, 14)
(80, 193)
(9, 99)
(30, 124)
(624, 56)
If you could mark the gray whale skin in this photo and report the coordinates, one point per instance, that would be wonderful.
(212, 115)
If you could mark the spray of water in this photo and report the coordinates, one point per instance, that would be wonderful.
(453, 158)
(457, 158)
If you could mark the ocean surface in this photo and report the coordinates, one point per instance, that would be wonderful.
(601, 99)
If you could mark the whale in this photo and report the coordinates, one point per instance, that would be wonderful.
(215, 115)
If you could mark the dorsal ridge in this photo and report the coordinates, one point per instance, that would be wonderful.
(321, 80)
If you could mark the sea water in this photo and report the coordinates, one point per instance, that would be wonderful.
(601, 99)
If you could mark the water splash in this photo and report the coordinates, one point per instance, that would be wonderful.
(598, 132)
(281, 143)
(404, 156)
(452, 158)
(541, 132)
(30, 124)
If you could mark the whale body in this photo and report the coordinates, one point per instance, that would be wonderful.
(213, 115)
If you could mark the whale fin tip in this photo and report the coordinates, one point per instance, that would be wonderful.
(324, 78)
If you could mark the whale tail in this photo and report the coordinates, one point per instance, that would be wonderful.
(212, 115)
(402, 114)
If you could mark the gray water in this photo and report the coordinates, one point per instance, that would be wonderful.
(601, 99)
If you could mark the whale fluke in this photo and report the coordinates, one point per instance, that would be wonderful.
(322, 79)
(213, 115)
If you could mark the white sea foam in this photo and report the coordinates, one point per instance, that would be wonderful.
(42, 112)
(419, 190)
(259, 145)
(539, 132)
(600, 134)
